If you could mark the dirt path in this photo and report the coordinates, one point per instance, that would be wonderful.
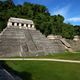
(42, 59)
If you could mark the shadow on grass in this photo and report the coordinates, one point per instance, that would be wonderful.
(22, 75)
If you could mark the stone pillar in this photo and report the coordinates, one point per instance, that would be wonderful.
(9, 24)
(24, 25)
(15, 24)
(76, 38)
(32, 25)
(19, 24)
(28, 26)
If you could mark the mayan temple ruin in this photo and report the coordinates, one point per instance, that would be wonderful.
(20, 38)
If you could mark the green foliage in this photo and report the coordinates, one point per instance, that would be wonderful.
(77, 30)
(57, 21)
(68, 31)
(65, 56)
(40, 15)
(7, 4)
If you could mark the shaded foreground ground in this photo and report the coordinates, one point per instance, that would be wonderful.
(41, 70)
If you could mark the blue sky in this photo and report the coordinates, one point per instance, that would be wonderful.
(70, 9)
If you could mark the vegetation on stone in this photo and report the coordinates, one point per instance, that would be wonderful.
(44, 22)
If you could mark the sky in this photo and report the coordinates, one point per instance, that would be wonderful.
(70, 9)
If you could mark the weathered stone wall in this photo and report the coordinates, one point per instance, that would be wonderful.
(75, 45)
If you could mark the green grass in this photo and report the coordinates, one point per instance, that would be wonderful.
(66, 55)
(38, 70)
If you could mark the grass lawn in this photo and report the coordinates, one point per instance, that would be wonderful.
(38, 70)
(68, 56)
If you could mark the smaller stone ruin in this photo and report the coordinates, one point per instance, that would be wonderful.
(62, 41)
(54, 37)
(76, 38)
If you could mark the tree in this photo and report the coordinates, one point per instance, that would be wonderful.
(68, 31)
(44, 22)
(1, 5)
(77, 30)
(57, 22)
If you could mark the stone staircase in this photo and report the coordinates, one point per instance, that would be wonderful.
(67, 45)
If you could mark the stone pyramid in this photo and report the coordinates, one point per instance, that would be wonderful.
(20, 38)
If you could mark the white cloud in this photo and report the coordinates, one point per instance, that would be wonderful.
(63, 11)
(74, 19)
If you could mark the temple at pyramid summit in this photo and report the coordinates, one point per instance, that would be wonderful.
(20, 38)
